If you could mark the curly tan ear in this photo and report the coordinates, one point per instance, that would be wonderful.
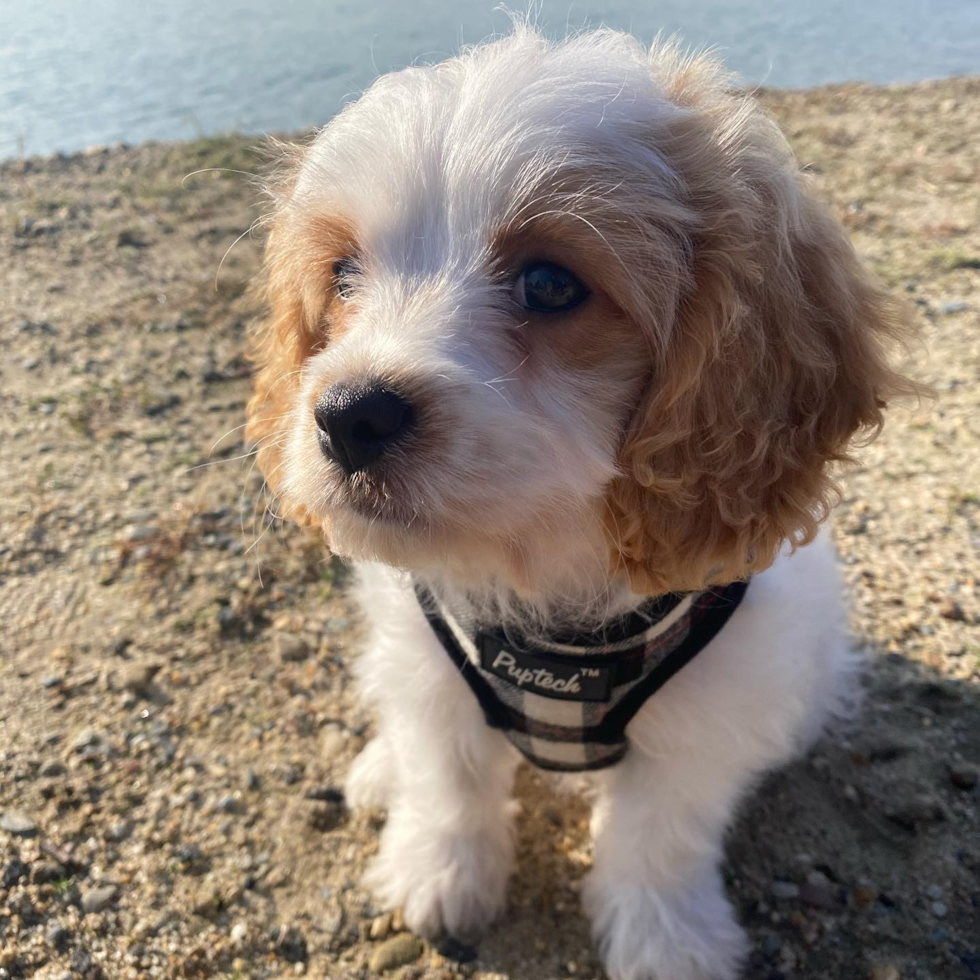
(280, 345)
(774, 362)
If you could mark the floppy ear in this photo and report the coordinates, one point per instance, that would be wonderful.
(293, 289)
(774, 363)
(280, 344)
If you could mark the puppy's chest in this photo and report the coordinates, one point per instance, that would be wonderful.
(564, 701)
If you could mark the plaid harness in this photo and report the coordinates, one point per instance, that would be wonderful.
(565, 703)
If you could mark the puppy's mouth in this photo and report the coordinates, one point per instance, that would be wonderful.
(381, 499)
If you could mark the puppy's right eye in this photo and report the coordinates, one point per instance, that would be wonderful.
(344, 274)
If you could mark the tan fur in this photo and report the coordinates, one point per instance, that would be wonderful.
(776, 360)
(304, 312)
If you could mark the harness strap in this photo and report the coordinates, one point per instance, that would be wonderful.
(611, 679)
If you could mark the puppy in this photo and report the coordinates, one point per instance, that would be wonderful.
(561, 351)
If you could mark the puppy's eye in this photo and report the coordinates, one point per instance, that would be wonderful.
(344, 273)
(548, 288)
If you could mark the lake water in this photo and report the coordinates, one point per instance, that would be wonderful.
(74, 73)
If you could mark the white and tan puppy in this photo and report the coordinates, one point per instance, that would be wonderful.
(558, 331)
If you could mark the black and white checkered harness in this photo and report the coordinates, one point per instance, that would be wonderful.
(565, 702)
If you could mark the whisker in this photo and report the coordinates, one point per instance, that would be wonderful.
(274, 418)
(216, 462)
(261, 444)
(218, 170)
(268, 510)
(241, 498)
(247, 231)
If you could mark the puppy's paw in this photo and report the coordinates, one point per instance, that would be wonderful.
(688, 933)
(369, 781)
(444, 881)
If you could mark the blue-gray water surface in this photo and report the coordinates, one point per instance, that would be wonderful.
(74, 74)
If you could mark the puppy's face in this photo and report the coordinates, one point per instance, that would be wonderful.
(475, 374)
(526, 324)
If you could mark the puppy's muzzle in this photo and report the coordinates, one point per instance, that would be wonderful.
(358, 423)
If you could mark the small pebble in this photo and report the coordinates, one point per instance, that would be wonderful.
(289, 648)
(98, 899)
(818, 891)
(137, 678)
(963, 775)
(920, 811)
(57, 936)
(940, 910)
(140, 532)
(230, 621)
(381, 926)
(397, 951)
(118, 832)
(952, 610)
(784, 890)
(331, 921)
(230, 803)
(934, 892)
(886, 972)
(332, 741)
(90, 742)
(46, 872)
(18, 823)
(954, 306)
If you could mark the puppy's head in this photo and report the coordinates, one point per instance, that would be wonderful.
(545, 313)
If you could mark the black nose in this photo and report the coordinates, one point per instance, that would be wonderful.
(359, 423)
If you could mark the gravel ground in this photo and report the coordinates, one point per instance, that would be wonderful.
(175, 712)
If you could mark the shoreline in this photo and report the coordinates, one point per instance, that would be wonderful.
(761, 90)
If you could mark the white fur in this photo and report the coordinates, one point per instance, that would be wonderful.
(752, 699)
(505, 501)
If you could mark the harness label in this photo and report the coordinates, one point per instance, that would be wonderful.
(547, 675)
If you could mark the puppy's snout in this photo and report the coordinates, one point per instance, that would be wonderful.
(359, 423)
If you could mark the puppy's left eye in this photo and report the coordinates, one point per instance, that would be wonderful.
(344, 273)
(548, 288)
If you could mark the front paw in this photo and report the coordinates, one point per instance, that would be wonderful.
(684, 933)
(370, 779)
(444, 880)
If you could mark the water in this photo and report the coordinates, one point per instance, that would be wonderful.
(74, 73)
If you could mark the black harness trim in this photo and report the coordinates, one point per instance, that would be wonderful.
(627, 674)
